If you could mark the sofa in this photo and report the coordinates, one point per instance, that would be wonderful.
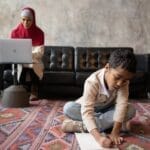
(66, 69)
(6, 78)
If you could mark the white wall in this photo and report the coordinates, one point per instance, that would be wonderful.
(85, 22)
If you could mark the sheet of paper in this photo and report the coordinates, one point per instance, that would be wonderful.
(87, 142)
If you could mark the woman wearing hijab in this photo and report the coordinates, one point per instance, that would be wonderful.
(27, 29)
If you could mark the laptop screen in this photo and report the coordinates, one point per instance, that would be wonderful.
(15, 51)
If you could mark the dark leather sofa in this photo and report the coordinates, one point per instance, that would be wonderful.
(6, 78)
(66, 69)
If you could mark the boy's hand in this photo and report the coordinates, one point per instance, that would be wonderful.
(115, 134)
(116, 139)
(101, 139)
(105, 142)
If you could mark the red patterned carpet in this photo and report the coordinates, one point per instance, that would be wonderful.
(35, 127)
(38, 128)
(139, 138)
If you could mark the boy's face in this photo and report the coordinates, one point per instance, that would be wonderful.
(116, 77)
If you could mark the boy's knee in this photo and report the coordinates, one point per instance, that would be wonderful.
(73, 110)
(67, 108)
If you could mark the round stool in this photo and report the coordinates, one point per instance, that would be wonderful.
(15, 96)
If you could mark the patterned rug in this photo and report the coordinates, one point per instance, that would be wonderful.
(38, 128)
(139, 138)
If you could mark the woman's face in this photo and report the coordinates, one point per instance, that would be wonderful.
(27, 22)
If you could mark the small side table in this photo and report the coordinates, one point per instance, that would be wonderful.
(15, 95)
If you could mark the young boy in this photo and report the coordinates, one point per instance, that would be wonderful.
(104, 103)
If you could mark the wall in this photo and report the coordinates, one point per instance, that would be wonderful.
(85, 22)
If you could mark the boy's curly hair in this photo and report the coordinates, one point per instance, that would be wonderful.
(123, 58)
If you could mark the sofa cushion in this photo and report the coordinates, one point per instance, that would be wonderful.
(93, 58)
(58, 58)
(81, 77)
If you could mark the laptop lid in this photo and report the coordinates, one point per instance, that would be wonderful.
(15, 51)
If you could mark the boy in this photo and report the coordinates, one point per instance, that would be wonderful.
(104, 103)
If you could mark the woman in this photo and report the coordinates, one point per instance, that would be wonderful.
(28, 29)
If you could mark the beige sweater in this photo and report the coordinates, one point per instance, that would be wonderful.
(96, 94)
(37, 65)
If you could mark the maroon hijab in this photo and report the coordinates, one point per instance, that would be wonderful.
(34, 32)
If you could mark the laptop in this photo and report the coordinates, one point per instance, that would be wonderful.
(15, 51)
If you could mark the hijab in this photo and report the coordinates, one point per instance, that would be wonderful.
(34, 32)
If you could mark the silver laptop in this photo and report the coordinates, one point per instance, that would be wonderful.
(15, 51)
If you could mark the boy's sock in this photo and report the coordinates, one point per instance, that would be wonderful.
(70, 125)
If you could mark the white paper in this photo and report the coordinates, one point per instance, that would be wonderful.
(87, 142)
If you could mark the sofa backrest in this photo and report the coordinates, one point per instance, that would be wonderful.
(58, 58)
(89, 59)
